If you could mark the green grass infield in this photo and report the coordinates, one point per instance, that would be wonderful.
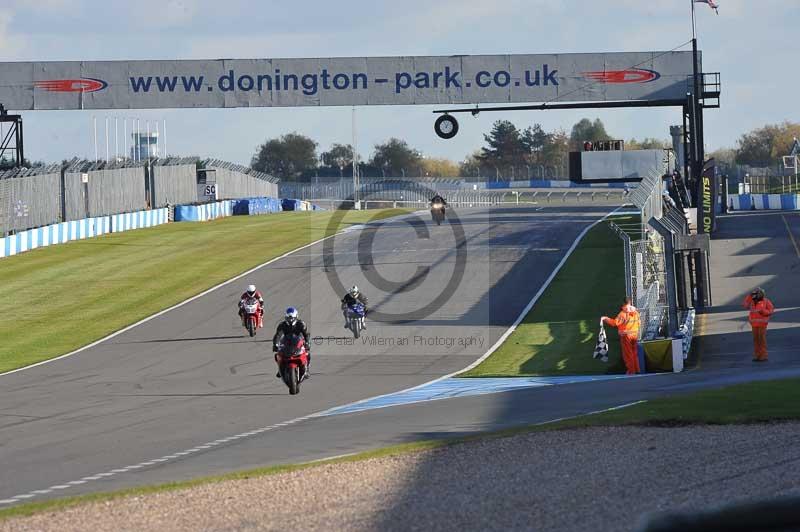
(558, 335)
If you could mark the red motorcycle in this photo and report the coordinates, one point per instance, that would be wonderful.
(252, 315)
(292, 359)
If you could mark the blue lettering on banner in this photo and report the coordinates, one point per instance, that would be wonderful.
(311, 83)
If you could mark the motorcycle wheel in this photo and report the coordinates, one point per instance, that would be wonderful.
(294, 381)
(251, 327)
(355, 325)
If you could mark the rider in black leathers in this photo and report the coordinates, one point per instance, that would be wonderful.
(352, 297)
(438, 199)
(291, 324)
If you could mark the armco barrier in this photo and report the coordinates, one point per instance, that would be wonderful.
(53, 234)
(764, 202)
(64, 232)
(138, 220)
(252, 206)
(203, 212)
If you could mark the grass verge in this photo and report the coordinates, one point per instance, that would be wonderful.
(54, 300)
(753, 402)
(756, 402)
(558, 335)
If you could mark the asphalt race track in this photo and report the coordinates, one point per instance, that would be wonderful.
(188, 394)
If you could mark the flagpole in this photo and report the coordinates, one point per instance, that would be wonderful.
(696, 155)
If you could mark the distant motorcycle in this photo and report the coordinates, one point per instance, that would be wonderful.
(292, 359)
(355, 318)
(437, 212)
(252, 316)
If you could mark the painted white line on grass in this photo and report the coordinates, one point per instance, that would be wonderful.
(595, 412)
(334, 457)
(201, 294)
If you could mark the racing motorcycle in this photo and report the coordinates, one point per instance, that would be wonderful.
(292, 359)
(355, 318)
(252, 317)
(437, 212)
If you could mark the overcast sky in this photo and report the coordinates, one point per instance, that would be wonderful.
(752, 43)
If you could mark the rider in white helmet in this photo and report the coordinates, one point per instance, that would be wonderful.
(251, 292)
(352, 297)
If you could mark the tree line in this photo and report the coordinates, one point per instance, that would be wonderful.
(508, 152)
(762, 147)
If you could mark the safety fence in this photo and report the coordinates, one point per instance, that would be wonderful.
(483, 198)
(172, 182)
(645, 258)
(758, 202)
(765, 184)
(391, 188)
(81, 189)
(100, 192)
(29, 198)
(649, 284)
(547, 183)
(237, 181)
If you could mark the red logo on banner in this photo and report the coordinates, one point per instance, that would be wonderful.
(71, 85)
(632, 75)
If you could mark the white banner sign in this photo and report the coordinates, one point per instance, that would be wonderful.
(346, 81)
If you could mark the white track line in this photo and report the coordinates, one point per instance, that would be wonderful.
(24, 496)
(117, 471)
(201, 294)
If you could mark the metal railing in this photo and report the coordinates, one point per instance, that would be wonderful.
(645, 257)
(420, 199)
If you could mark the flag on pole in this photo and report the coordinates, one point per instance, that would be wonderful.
(713, 4)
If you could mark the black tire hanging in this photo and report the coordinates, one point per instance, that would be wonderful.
(446, 126)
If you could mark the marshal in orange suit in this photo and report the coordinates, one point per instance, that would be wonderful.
(761, 309)
(627, 324)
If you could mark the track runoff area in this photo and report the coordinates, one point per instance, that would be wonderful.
(188, 394)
